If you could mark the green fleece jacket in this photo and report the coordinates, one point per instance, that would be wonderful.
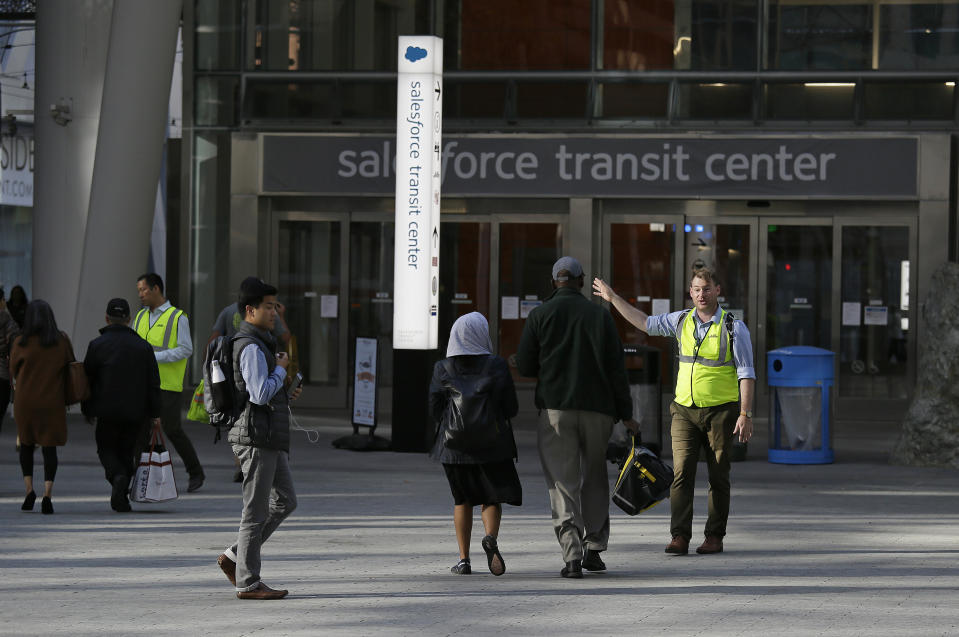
(570, 345)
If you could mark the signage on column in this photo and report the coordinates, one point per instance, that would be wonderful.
(419, 117)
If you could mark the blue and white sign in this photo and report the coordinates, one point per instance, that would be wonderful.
(419, 118)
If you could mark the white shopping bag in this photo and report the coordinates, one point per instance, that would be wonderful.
(153, 481)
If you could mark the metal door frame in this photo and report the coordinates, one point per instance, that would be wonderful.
(333, 396)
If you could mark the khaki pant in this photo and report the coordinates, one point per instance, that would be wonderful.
(694, 428)
(572, 450)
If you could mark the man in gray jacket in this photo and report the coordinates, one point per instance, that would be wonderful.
(260, 439)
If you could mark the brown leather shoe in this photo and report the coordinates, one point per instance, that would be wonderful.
(262, 591)
(713, 544)
(678, 546)
(228, 566)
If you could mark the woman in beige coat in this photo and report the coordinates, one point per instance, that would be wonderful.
(38, 367)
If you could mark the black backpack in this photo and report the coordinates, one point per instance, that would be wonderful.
(470, 422)
(221, 398)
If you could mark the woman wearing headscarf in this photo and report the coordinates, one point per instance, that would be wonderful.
(38, 366)
(485, 477)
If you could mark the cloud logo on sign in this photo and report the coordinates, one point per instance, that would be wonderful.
(414, 53)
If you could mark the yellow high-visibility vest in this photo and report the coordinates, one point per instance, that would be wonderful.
(162, 335)
(707, 374)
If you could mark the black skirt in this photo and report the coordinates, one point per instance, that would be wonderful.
(487, 483)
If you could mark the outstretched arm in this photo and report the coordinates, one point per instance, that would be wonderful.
(630, 312)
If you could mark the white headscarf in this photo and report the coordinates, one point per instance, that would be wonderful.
(470, 336)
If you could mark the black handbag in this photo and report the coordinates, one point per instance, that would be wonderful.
(644, 481)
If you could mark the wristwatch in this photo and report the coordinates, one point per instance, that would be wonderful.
(747, 414)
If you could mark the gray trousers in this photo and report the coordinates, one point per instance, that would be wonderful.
(268, 498)
(572, 450)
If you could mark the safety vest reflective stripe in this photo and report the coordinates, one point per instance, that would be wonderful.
(707, 373)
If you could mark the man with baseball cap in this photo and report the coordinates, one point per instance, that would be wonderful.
(571, 346)
(124, 394)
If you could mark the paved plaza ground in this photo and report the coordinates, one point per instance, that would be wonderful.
(859, 547)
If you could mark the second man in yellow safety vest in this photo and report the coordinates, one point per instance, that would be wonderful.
(167, 329)
(714, 398)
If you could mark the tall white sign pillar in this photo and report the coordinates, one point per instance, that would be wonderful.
(419, 119)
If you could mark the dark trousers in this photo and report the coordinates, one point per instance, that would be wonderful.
(693, 429)
(172, 406)
(117, 446)
(4, 398)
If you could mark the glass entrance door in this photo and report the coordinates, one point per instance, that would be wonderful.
(874, 336)
(795, 287)
(464, 273)
(310, 271)
(525, 254)
(728, 248)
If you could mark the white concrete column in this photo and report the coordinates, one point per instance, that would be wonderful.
(129, 152)
(71, 53)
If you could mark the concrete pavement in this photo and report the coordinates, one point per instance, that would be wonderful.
(854, 548)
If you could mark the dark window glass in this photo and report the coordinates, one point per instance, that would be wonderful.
(474, 100)
(551, 100)
(909, 100)
(819, 36)
(217, 35)
(371, 290)
(510, 35)
(215, 101)
(829, 100)
(464, 275)
(289, 100)
(715, 101)
(919, 36)
(322, 35)
(722, 36)
(638, 34)
(626, 101)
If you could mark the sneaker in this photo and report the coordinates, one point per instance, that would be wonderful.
(493, 558)
(573, 570)
(462, 568)
(592, 561)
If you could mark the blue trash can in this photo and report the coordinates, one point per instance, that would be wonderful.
(800, 405)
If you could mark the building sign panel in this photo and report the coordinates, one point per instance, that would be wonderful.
(16, 167)
(686, 167)
(417, 190)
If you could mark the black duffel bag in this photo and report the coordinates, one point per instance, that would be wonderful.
(644, 480)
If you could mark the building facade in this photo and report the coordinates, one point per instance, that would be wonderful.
(805, 150)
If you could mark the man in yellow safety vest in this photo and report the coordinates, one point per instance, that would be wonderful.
(714, 397)
(167, 329)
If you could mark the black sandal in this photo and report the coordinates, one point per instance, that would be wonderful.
(493, 558)
(462, 567)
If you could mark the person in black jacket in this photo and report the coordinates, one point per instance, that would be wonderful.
(124, 394)
(485, 477)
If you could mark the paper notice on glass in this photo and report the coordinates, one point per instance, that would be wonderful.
(876, 315)
(328, 305)
(660, 306)
(510, 307)
(526, 306)
(851, 313)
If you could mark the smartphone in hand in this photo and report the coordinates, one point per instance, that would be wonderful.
(297, 382)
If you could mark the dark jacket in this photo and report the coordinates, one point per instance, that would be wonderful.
(570, 345)
(123, 374)
(504, 397)
(265, 426)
